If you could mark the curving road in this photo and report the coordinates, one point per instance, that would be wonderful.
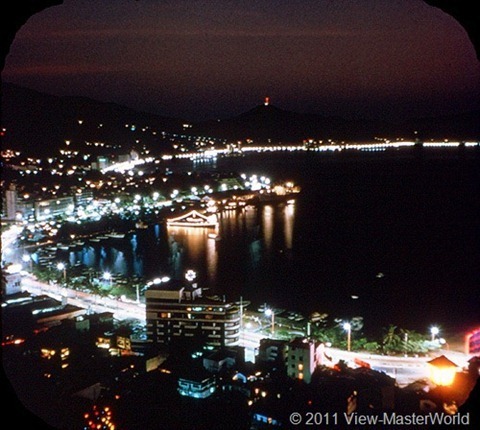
(404, 370)
(122, 309)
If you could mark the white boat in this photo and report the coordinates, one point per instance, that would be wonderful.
(115, 235)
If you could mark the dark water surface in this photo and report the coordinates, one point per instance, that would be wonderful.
(414, 219)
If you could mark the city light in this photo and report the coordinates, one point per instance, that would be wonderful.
(190, 275)
(158, 281)
(442, 371)
(270, 313)
(27, 258)
(119, 197)
(108, 277)
(63, 267)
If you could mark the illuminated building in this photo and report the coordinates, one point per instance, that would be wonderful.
(304, 355)
(51, 208)
(442, 370)
(224, 358)
(83, 197)
(11, 203)
(11, 283)
(472, 342)
(101, 163)
(197, 383)
(99, 418)
(177, 310)
(272, 352)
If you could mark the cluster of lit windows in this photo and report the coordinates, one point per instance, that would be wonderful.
(99, 419)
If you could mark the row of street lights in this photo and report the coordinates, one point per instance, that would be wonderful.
(27, 258)
(191, 275)
(434, 331)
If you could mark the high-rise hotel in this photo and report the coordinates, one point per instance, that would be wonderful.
(177, 310)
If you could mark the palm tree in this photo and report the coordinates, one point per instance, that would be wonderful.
(391, 341)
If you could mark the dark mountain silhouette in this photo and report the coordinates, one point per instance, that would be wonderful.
(268, 122)
(38, 124)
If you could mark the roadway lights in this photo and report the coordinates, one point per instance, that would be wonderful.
(269, 313)
(158, 281)
(108, 277)
(434, 332)
(63, 267)
(27, 258)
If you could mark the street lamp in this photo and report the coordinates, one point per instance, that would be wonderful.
(269, 313)
(434, 332)
(108, 277)
(348, 328)
(63, 267)
(27, 258)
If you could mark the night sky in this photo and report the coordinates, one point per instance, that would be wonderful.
(217, 58)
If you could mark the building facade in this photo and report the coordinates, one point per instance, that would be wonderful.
(51, 208)
(272, 352)
(11, 203)
(304, 355)
(177, 311)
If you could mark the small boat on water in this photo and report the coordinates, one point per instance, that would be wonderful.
(141, 225)
(116, 235)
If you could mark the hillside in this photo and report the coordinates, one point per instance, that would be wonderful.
(38, 124)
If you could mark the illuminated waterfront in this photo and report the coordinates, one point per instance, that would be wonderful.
(352, 220)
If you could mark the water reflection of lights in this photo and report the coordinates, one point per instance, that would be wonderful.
(175, 249)
(212, 260)
(268, 219)
(190, 246)
(289, 214)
